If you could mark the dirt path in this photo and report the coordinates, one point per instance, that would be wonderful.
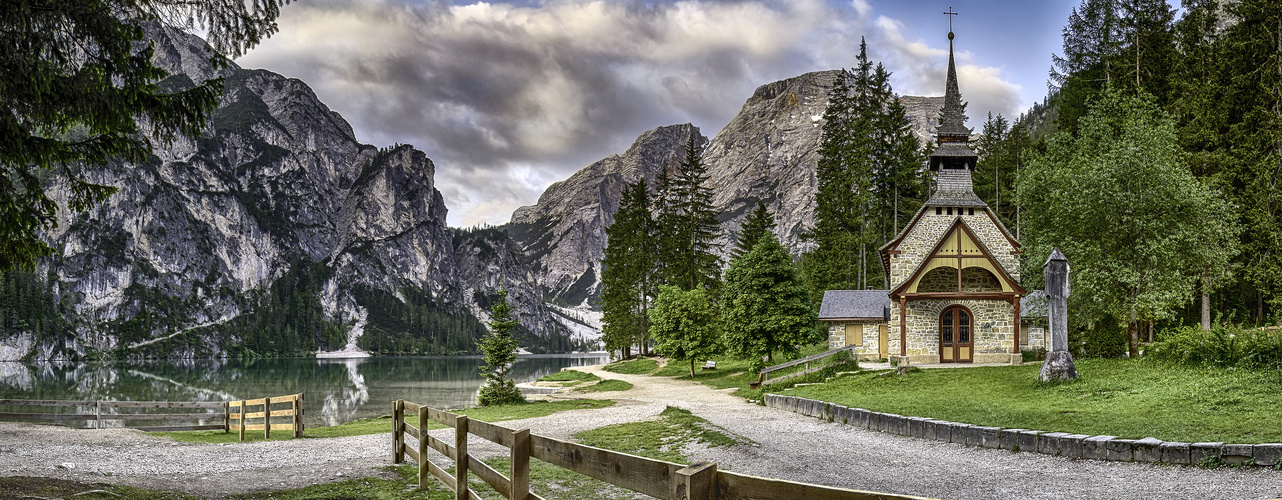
(787, 445)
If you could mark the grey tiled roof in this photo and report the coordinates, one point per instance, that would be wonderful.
(839, 304)
(953, 189)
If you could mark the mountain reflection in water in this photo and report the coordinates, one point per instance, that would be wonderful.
(336, 390)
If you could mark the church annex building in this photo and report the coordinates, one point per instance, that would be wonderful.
(955, 294)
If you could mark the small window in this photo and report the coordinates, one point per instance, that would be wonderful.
(950, 210)
(972, 212)
(939, 210)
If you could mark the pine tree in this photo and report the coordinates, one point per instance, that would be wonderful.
(868, 179)
(1251, 58)
(629, 267)
(499, 348)
(843, 175)
(1147, 55)
(688, 226)
(1086, 67)
(756, 225)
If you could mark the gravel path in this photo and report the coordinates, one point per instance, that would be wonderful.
(787, 446)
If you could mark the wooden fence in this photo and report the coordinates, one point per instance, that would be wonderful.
(806, 361)
(219, 412)
(242, 415)
(655, 478)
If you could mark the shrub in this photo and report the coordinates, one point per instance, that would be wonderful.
(1222, 345)
(1105, 339)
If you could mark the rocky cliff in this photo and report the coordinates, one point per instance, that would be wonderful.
(766, 153)
(275, 231)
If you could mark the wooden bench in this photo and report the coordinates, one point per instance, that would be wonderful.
(711, 365)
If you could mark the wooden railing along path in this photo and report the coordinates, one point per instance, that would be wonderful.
(220, 412)
(764, 380)
(655, 478)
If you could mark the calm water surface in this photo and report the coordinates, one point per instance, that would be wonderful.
(335, 390)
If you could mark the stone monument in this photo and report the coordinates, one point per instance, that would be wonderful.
(1059, 363)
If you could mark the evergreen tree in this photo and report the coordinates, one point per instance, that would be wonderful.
(685, 325)
(1252, 62)
(843, 175)
(899, 186)
(765, 306)
(78, 80)
(1085, 69)
(629, 267)
(1000, 147)
(1146, 35)
(499, 348)
(688, 225)
(868, 179)
(756, 225)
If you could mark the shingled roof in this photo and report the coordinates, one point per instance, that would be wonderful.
(854, 304)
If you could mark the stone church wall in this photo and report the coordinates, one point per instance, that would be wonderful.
(993, 332)
(930, 229)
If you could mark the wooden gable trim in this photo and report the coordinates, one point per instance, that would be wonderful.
(934, 252)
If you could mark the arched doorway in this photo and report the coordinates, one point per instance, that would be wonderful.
(956, 335)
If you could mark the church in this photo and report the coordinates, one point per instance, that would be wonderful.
(954, 287)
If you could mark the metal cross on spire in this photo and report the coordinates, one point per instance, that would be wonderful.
(950, 15)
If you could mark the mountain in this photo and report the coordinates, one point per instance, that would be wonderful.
(766, 153)
(274, 233)
(565, 232)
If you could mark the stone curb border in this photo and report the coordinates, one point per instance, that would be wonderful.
(1049, 443)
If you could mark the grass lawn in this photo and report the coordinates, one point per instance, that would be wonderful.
(383, 424)
(607, 385)
(1126, 398)
(569, 377)
(733, 373)
(639, 366)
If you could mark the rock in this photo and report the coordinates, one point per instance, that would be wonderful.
(1058, 367)
(276, 187)
(766, 153)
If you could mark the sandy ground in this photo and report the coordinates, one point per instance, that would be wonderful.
(784, 445)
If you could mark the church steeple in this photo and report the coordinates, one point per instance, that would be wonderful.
(952, 136)
(953, 159)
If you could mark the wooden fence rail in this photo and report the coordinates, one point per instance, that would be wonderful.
(763, 380)
(654, 478)
(239, 419)
(220, 412)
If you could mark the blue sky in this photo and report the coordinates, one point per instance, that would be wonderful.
(507, 98)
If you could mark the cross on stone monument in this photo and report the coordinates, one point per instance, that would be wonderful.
(1059, 362)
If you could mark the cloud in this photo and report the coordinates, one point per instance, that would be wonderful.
(921, 69)
(507, 99)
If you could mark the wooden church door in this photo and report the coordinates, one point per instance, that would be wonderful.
(956, 340)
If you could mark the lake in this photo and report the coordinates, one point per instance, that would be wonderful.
(335, 390)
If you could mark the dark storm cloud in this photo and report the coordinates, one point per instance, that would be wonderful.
(508, 99)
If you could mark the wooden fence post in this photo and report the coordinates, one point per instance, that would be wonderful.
(696, 482)
(520, 471)
(226, 417)
(423, 474)
(267, 418)
(398, 430)
(460, 458)
(97, 414)
(298, 415)
(242, 420)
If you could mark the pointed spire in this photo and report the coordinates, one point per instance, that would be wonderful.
(952, 121)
